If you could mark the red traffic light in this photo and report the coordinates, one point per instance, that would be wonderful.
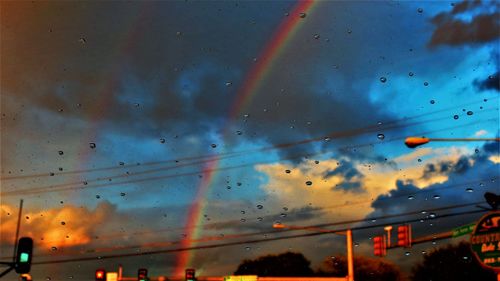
(100, 275)
(379, 246)
(142, 274)
(190, 274)
(404, 236)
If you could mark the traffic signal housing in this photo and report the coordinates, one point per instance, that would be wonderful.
(24, 255)
(142, 274)
(190, 274)
(379, 246)
(404, 236)
(100, 275)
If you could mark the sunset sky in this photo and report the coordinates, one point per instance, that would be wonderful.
(130, 127)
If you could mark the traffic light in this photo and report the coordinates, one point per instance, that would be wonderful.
(100, 275)
(379, 246)
(23, 256)
(142, 274)
(190, 274)
(404, 236)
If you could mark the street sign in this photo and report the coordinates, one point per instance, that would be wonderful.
(241, 278)
(112, 276)
(485, 240)
(463, 230)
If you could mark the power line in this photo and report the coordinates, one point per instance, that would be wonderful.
(253, 241)
(208, 157)
(70, 186)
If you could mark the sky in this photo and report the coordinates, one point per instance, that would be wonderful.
(132, 130)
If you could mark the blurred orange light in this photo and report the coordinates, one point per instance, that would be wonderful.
(413, 142)
(278, 225)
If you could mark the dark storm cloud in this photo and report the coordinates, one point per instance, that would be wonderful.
(465, 6)
(451, 30)
(466, 183)
(490, 83)
(346, 170)
(142, 73)
(447, 167)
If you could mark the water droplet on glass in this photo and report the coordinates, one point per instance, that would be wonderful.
(243, 220)
(407, 253)
(51, 174)
(470, 112)
(383, 79)
(288, 171)
(63, 223)
(436, 196)
(247, 248)
(92, 145)
(82, 41)
(162, 140)
(420, 10)
(327, 139)
(426, 83)
(213, 145)
(410, 74)
(48, 278)
(316, 162)
(283, 215)
(316, 36)
(469, 190)
(228, 187)
(260, 207)
(411, 197)
(53, 248)
(432, 215)
(239, 133)
(259, 219)
(309, 183)
(455, 117)
(98, 196)
(381, 136)
(229, 83)
(122, 194)
(476, 150)
(285, 208)
(433, 101)
(302, 15)
(60, 152)
(419, 160)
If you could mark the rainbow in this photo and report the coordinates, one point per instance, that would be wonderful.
(253, 80)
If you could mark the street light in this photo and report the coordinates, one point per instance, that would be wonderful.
(413, 142)
(348, 234)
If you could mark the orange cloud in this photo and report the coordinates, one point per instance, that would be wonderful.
(58, 227)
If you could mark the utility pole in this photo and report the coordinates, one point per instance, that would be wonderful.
(350, 258)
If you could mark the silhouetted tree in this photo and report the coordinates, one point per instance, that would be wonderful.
(286, 264)
(453, 262)
(365, 269)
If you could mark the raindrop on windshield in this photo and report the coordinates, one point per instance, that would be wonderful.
(162, 140)
(53, 248)
(309, 183)
(411, 197)
(63, 223)
(60, 152)
(436, 196)
(420, 10)
(380, 136)
(455, 117)
(410, 74)
(433, 101)
(302, 15)
(260, 207)
(469, 190)
(98, 196)
(470, 112)
(383, 79)
(213, 145)
(283, 215)
(92, 145)
(287, 171)
(316, 36)
(426, 83)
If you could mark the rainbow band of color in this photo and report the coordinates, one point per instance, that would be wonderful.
(253, 80)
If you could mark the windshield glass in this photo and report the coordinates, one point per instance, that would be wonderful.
(208, 135)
